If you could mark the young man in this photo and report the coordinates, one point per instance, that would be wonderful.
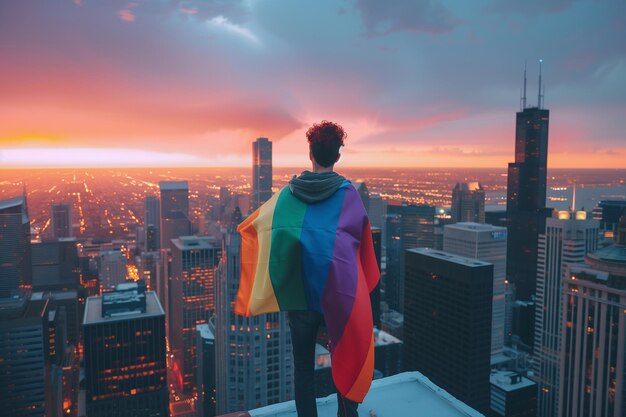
(308, 250)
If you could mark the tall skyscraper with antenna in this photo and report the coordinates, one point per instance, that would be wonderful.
(526, 193)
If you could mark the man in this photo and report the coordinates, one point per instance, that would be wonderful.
(308, 250)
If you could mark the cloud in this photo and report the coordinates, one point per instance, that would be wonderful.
(223, 23)
(531, 8)
(127, 14)
(419, 16)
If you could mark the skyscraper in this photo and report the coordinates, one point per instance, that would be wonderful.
(55, 265)
(112, 268)
(375, 294)
(24, 371)
(152, 223)
(15, 251)
(407, 226)
(261, 172)
(174, 211)
(124, 354)
(468, 203)
(192, 300)
(486, 243)
(526, 195)
(447, 323)
(567, 238)
(254, 357)
(205, 381)
(61, 220)
(593, 353)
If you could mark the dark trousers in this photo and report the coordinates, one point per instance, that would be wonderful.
(304, 326)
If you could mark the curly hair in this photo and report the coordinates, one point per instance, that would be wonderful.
(325, 139)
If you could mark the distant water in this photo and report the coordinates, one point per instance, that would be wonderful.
(560, 198)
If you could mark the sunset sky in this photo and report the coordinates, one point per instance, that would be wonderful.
(414, 82)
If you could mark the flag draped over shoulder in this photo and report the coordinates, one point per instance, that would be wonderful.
(317, 257)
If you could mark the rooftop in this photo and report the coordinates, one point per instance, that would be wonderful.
(93, 310)
(446, 256)
(173, 185)
(509, 381)
(409, 394)
(193, 242)
(382, 338)
(11, 202)
(205, 331)
(478, 227)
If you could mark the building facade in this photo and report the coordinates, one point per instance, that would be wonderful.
(152, 223)
(192, 300)
(15, 250)
(526, 198)
(61, 215)
(254, 355)
(174, 212)
(261, 172)
(486, 243)
(124, 354)
(468, 203)
(407, 226)
(447, 323)
(24, 369)
(567, 238)
(593, 356)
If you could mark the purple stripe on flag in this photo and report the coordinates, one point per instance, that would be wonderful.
(340, 291)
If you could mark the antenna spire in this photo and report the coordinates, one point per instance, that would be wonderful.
(574, 198)
(524, 95)
(540, 95)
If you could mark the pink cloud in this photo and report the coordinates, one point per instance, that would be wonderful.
(127, 13)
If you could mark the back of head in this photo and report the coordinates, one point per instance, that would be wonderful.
(325, 139)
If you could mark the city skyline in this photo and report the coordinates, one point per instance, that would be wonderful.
(193, 83)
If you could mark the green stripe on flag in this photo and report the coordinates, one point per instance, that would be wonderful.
(285, 263)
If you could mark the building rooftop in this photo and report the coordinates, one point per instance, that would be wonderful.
(205, 331)
(93, 310)
(173, 185)
(409, 394)
(461, 260)
(193, 242)
(21, 308)
(509, 381)
(478, 227)
(11, 202)
(382, 338)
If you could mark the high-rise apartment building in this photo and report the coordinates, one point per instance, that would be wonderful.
(486, 243)
(15, 251)
(205, 381)
(608, 213)
(593, 354)
(261, 172)
(24, 349)
(55, 264)
(407, 226)
(447, 323)
(254, 357)
(512, 395)
(567, 238)
(124, 354)
(174, 211)
(468, 203)
(192, 300)
(152, 223)
(526, 195)
(61, 215)
(112, 268)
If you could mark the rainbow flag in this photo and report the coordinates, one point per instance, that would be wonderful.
(319, 257)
